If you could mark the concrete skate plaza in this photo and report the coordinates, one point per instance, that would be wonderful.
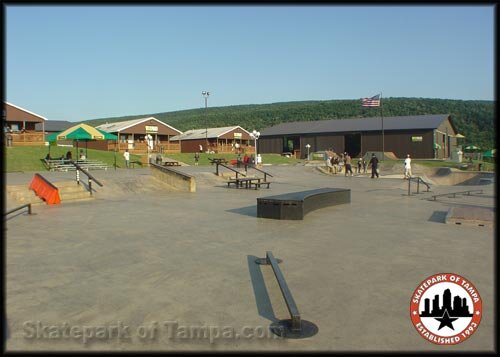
(138, 254)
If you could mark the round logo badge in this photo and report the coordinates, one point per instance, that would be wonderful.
(446, 309)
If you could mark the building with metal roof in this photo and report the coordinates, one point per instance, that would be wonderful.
(19, 126)
(54, 126)
(140, 136)
(223, 139)
(421, 136)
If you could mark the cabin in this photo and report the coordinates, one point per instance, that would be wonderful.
(229, 139)
(20, 126)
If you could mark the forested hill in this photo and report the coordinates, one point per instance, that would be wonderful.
(474, 119)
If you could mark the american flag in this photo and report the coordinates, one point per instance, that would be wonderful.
(371, 102)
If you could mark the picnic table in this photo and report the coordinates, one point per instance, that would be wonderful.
(248, 182)
(217, 160)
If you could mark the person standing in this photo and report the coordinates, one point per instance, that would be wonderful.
(348, 168)
(359, 165)
(374, 164)
(126, 156)
(196, 158)
(364, 165)
(335, 164)
(408, 167)
(259, 160)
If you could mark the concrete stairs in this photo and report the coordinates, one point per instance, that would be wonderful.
(22, 194)
(69, 191)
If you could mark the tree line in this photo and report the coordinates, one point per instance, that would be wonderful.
(472, 118)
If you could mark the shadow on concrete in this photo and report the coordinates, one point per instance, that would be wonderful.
(438, 217)
(245, 211)
(264, 306)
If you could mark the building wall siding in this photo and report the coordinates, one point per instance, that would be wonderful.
(270, 145)
(399, 142)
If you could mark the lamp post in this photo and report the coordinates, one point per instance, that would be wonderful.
(255, 135)
(205, 94)
(149, 138)
(308, 146)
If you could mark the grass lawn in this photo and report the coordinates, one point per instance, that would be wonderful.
(188, 158)
(27, 158)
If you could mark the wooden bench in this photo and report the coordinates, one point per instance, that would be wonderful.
(295, 205)
(258, 184)
(217, 161)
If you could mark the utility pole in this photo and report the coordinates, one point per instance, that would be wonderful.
(206, 94)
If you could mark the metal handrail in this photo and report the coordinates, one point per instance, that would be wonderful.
(19, 208)
(468, 192)
(227, 167)
(85, 172)
(419, 180)
(90, 177)
(264, 172)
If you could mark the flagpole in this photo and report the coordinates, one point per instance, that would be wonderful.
(382, 115)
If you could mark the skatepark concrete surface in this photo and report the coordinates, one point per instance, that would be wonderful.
(141, 268)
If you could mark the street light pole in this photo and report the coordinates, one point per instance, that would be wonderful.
(206, 94)
(255, 135)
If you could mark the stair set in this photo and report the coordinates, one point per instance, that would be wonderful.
(69, 191)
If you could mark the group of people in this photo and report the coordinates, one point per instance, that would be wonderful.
(246, 160)
(337, 163)
(68, 156)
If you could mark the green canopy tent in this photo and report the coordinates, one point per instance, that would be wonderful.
(474, 152)
(81, 132)
(490, 153)
(472, 148)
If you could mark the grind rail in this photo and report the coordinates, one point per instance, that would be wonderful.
(264, 172)
(89, 176)
(295, 327)
(217, 164)
(27, 205)
(419, 180)
(454, 194)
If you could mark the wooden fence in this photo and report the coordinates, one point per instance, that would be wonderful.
(26, 139)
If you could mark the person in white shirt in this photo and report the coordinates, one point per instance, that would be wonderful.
(259, 160)
(126, 155)
(407, 167)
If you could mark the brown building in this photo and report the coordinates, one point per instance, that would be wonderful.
(132, 135)
(220, 140)
(19, 126)
(421, 136)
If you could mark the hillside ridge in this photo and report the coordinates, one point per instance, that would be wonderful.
(473, 118)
